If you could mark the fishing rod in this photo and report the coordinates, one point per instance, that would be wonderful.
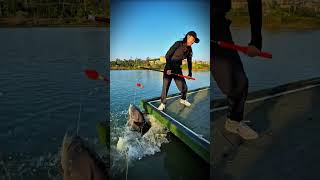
(243, 49)
(179, 75)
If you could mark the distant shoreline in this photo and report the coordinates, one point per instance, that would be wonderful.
(136, 69)
(277, 23)
(48, 22)
(139, 64)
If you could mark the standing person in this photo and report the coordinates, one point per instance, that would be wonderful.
(227, 68)
(179, 51)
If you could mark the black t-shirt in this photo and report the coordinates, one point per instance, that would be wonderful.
(178, 52)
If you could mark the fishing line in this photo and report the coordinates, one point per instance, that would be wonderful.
(134, 96)
(135, 90)
(80, 107)
(79, 115)
(127, 164)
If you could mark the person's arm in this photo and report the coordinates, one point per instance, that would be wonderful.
(255, 12)
(189, 60)
(170, 54)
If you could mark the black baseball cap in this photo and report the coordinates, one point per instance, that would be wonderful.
(194, 34)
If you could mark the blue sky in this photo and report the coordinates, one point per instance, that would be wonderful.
(147, 28)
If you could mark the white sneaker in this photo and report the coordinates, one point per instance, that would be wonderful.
(185, 102)
(241, 128)
(161, 107)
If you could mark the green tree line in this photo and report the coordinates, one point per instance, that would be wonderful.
(53, 8)
(129, 64)
(273, 8)
(134, 63)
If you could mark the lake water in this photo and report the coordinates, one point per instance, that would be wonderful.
(150, 158)
(42, 83)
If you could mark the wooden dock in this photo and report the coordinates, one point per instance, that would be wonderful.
(190, 124)
(287, 120)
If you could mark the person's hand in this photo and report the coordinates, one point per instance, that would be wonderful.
(169, 72)
(253, 51)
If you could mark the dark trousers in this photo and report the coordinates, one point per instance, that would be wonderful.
(180, 82)
(227, 69)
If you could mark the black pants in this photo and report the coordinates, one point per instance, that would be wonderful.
(227, 69)
(180, 82)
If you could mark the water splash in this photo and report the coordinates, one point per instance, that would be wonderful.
(131, 146)
(28, 166)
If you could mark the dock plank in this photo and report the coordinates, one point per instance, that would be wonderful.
(196, 117)
(288, 145)
(190, 124)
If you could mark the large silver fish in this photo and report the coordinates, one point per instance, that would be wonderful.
(78, 162)
(136, 120)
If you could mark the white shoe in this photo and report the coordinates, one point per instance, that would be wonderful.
(161, 107)
(185, 102)
(241, 128)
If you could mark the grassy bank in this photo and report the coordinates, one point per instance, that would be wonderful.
(35, 13)
(277, 19)
(136, 64)
(184, 67)
(48, 22)
(272, 22)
